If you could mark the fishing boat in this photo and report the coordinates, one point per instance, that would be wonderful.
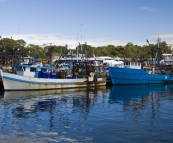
(121, 76)
(134, 72)
(38, 77)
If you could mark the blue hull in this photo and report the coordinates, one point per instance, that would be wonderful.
(135, 76)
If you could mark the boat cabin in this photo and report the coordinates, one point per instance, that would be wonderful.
(132, 65)
(30, 70)
(167, 56)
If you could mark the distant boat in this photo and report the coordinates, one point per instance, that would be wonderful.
(36, 77)
(108, 60)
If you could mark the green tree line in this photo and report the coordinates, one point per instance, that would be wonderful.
(128, 51)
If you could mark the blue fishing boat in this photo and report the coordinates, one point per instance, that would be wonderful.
(134, 72)
(122, 76)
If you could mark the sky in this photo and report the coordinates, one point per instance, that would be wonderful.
(96, 22)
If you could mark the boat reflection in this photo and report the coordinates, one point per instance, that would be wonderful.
(12, 95)
(25, 102)
(137, 96)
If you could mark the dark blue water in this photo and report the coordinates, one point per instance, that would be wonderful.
(122, 114)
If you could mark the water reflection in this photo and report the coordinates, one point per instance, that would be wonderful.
(107, 114)
(126, 93)
(140, 97)
(46, 111)
(83, 100)
(45, 100)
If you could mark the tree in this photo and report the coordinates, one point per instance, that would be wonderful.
(129, 44)
(33, 50)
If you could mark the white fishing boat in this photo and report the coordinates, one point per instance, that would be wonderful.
(37, 77)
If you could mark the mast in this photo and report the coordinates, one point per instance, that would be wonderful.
(158, 42)
(77, 47)
(81, 40)
(152, 56)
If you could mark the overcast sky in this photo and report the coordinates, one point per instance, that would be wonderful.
(97, 22)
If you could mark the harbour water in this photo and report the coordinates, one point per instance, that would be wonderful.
(122, 114)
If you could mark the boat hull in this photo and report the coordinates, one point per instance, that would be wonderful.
(17, 82)
(136, 76)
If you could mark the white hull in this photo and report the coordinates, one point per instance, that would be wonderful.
(17, 82)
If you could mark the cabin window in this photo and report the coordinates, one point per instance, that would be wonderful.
(132, 64)
(126, 63)
(135, 64)
(138, 64)
(32, 69)
(19, 69)
(24, 68)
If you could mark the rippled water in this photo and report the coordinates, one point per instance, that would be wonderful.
(124, 114)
